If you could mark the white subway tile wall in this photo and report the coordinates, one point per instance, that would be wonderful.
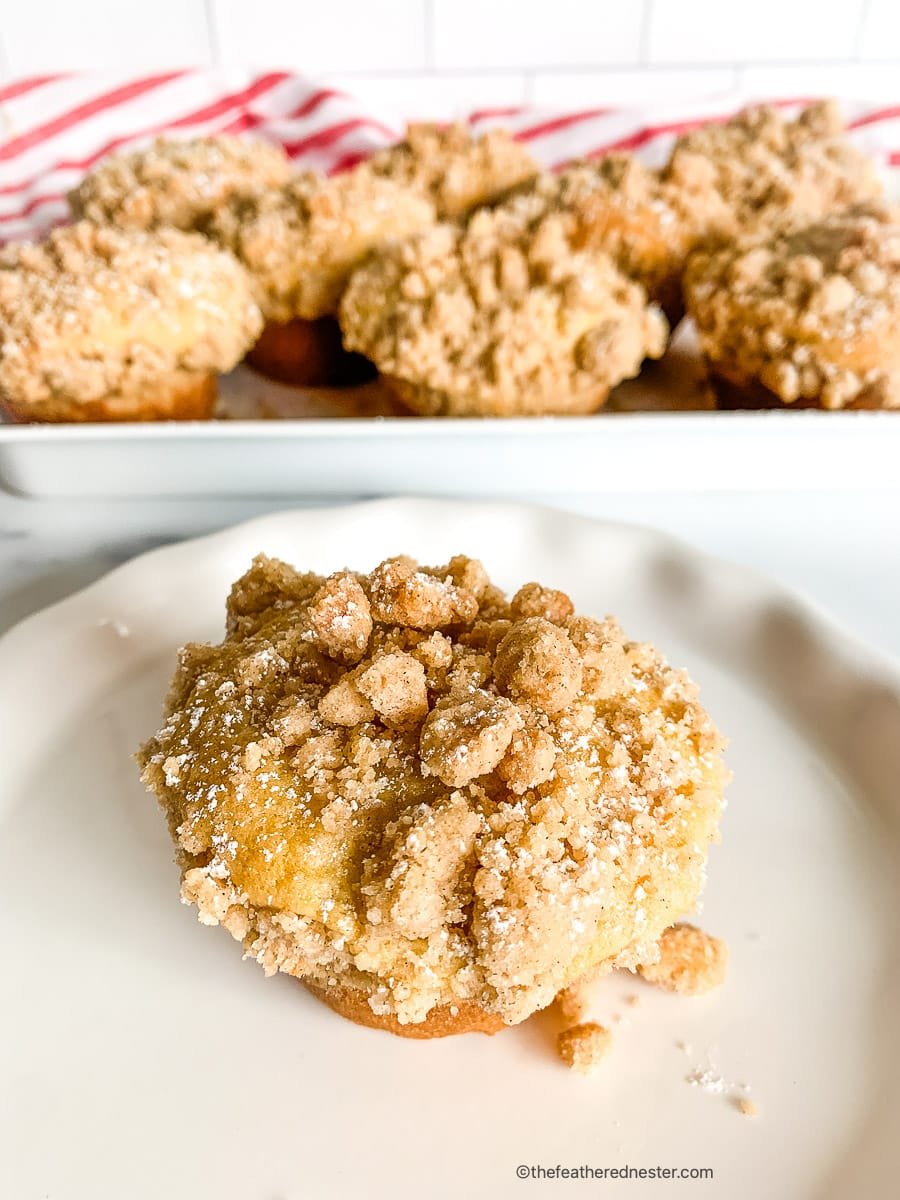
(579, 89)
(40, 36)
(694, 31)
(330, 35)
(436, 58)
(880, 30)
(510, 34)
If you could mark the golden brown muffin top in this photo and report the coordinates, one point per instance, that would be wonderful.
(792, 308)
(764, 165)
(93, 312)
(643, 222)
(500, 313)
(454, 168)
(621, 183)
(177, 183)
(301, 242)
(405, 782)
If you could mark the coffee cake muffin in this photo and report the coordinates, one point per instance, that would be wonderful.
(618, 205)
(300, 244)
(763, 167)
(178, 184)
(809, 317)
(500, 317)
(97, 324)
(435, 806)
(455, 169)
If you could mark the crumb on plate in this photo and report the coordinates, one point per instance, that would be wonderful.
(690, 961)
(583, 1046)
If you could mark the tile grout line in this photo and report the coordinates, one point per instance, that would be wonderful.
(212, 32)
(865, 9)
(428, 33)
(530, 70)
(5, 69)
(645, 30)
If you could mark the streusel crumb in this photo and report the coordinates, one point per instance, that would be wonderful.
(644, 223)
(179, 184)
(455, 169)
(500, 317)
(583, 1047)
(573, 1003)
(402, 786)
(812, 312)
(764, 166)
(690, 961)
(746, 1107)
(301, 241)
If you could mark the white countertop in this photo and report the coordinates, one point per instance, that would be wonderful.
(842, 549)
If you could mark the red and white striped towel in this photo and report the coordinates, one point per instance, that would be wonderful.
(54, 128)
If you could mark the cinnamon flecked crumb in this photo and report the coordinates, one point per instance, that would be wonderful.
(763, 165)
(572, 1003)
(178, 184)
(583, 1047)
(454, 169)
(690, 961)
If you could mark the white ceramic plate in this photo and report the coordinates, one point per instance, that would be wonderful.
(142, 1058)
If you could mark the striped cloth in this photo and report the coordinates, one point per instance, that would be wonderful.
(54, 128)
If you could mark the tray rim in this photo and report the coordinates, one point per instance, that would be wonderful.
(411, 426)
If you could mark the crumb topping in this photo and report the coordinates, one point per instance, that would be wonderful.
(573, 1003)
(646, 224)
(93, 312)
(690, 961)
(301, 241)
(395, 804)
(179, 184)
(811, 312)
(763, 166)
(404, 595)
(583, 1047)
(464, 739)
(500, 316)
(455, 169)
(537, 662)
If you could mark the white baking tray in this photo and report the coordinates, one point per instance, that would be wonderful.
(616, 452)
(659, 433)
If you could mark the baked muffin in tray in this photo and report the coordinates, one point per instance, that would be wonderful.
(500, 317)
(177, 184)
(764, 167)
(300, 243)
(100, 324)
(806, 317)
(454, 168)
